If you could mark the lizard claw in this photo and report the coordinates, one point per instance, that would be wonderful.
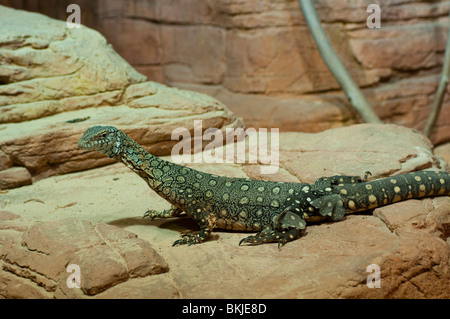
(243, 240)
(150, 214)
(190, 239)
(259, 238)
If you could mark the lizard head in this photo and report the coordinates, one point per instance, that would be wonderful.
(105, 139)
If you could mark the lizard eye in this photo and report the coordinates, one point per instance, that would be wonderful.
(104, 135)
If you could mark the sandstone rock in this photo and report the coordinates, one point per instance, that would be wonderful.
(5, 161)
(140, 258)
(372, 51)
(105, 254)
(444, 152)
(311, 114)
(355, 12)
(5, 215)
(383, 150)
(13, 287)
(11, 226)
(47, 66)
(14, 177)
(59, 81)
(155, 287)
(430, 214)
(209, 43)
(11, 222)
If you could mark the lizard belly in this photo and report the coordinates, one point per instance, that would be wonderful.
(250, 205)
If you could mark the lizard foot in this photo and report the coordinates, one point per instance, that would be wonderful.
(191, 239)
(366, 176)
(271, 236)
(153, 214)
(171, 212)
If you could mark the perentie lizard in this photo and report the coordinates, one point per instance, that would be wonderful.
(278, 210)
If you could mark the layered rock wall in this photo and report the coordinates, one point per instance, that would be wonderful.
(258, 56)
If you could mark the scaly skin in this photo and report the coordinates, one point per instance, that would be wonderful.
(278, 210)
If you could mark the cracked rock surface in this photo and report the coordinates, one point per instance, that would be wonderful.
(94, 219)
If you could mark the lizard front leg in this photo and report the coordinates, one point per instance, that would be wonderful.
(207, 222)
(192, 239)
(173, 211)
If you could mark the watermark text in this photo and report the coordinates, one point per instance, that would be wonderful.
(257, 143)
(73, 20)
(374, 19)
(74, 279)
(374, 279)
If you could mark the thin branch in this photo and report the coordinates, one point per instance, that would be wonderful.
(354, 94)
(440, 93)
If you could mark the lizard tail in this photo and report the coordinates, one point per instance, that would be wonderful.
(368, 195)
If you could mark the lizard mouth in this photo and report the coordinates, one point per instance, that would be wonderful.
(87, 145)
(90, 145)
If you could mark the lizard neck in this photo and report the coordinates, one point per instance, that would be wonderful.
(146, 165)
(164, 177)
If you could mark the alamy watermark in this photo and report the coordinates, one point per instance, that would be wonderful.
(74, 279)
(74, 19)
(374, 279)
(215, 152)
(374, 19)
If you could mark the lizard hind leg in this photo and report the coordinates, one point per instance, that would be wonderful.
(268, 235)
(286, 227)
(192, 239)
(206, 221)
